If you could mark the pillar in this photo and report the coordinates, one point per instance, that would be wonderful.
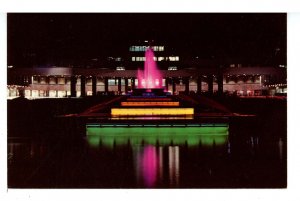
(220, 83)
(167, 84)
(82, 85)
(133, 83)
(94, 85)
(210, 79)
(126, 85)
(106, 85)
(173, 86)
(119, 86)
(187, 85)
(47, 80)
(73, 86)
(199, 86)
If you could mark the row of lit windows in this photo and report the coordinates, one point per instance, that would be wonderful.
(120, 68)
(144, 48)
(114, 59)
(170, 58)
(172, 68)
(51, 80)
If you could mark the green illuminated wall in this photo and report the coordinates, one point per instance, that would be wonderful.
(193, 136)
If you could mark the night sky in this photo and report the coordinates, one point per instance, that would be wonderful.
(37, 40)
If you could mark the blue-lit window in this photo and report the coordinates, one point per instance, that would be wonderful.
(112, 82)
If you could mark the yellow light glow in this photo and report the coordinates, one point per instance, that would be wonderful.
(151, 111)
(149, 103)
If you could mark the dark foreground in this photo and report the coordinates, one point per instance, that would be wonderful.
(43, 152)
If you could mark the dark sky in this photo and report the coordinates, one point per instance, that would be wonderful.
(49, 39)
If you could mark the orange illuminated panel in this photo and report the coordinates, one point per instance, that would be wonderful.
(151, 111)
(149, 103)
(149, 99)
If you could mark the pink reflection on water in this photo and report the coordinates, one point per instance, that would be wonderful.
(149, 161)
(151, 77)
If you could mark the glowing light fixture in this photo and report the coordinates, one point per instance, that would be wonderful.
(151, 111)
(149, 103)
(148, 99)
(193, 136)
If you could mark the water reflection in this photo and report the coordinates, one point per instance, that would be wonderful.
(24, 148)
(156, 151)
(134, 160)
(149, 165)
(174, 166)
(280, 145)
(149, 158)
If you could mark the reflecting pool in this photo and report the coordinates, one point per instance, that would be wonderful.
(150, 156)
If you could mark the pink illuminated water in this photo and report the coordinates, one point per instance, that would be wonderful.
(149, 166)
(151, 77)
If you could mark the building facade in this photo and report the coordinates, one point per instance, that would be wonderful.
(121, 77)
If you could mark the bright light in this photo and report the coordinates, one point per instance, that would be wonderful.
(149, 99)
(120, 68)
(193, 136)
(149, 103)
(156, 82)
(151, 111)
(143, 83)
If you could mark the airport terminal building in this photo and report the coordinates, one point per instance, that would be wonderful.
(118, 75)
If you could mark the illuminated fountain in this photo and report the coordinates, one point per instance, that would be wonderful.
(151, 77)
(148, 120)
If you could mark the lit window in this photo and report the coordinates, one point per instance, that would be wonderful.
(133, 58)
(112, 82)
(161, 48)
(118, 59)
(52, 80)
(172, 68)
(172, 58)
(35, 80)
(120, 68)
(161, 58)
(177, 58)
(61, 80)
(43, 80)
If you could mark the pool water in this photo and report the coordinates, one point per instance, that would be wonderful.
(150, 157)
